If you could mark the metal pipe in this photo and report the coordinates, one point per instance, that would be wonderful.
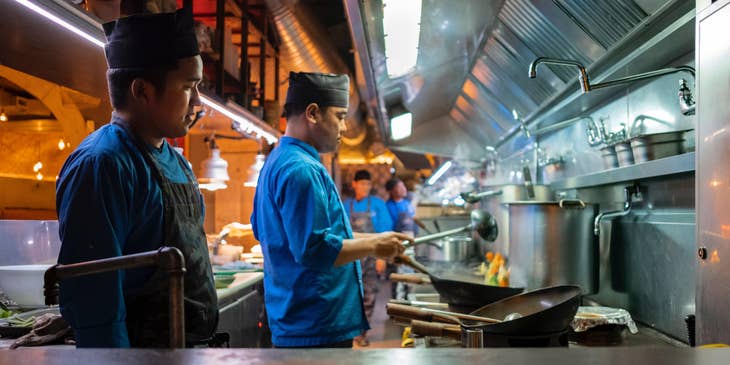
(169, 259)
(641, 76)
(629, 191)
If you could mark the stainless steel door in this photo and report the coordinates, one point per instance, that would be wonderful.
(713, 173)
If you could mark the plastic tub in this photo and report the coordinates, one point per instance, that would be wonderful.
(24, 284)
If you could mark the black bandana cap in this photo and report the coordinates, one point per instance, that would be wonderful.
(150, 40)
(323, 89)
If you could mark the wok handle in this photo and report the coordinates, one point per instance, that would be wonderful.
(410, 278)
(423, 328)
(467, 317)
(406, 260)
(410, 312)
(407, 311)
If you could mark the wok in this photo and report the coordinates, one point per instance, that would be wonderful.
(455, 292)
(544, 311)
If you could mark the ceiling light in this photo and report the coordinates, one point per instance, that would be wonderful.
(254, 171)
(440, 172)
(3, 116)
(38, 165)
(401, 30)
(401, 126)
(214, 170)
(61, 144)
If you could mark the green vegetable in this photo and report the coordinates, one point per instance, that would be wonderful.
(21, 322)
(6, 313)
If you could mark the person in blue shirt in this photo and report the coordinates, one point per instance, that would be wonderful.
(403, 215)
(312, 274)
(367, 214)
(124, 190)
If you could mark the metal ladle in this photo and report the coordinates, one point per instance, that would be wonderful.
(481, 222)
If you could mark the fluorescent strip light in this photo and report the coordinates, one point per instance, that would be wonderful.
(60, 22)
(401, 126)
(401, 28)
(48, 15)
(245, 123)
(437, 175)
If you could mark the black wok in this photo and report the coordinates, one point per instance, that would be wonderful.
(544, 311)
(456, 292)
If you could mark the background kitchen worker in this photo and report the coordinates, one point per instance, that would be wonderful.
(124, 190)
(312, 276)
(367, 214)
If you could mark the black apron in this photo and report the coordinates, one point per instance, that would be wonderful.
(148, 307)
(362, 222)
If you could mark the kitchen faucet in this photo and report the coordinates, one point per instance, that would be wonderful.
(629, 192)
(586, 85)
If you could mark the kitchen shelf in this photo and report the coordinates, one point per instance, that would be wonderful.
(672, 165)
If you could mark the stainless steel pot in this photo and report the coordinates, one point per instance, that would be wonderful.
(610, 160)
(552, 243)
(649, 147)
(448, 249)
(624, 154)
(510, 193)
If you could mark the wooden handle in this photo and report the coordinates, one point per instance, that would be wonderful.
(406, 260)
(410, 278)
(407, 311)
(423, 328)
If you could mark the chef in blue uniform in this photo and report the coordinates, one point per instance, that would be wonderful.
(124, 190)
(312, 273)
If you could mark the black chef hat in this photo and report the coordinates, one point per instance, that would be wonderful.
(323, 89)
(150, 40)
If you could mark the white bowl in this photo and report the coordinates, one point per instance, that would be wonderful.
(24, 284)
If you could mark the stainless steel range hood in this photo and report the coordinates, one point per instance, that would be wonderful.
(474, 56)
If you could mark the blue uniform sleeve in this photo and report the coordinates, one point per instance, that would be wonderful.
(393, 211)
(381, 221)
(303, 202)
(93, 211)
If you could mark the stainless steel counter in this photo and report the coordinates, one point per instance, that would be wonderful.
(558, 356)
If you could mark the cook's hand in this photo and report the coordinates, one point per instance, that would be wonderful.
(388, 245)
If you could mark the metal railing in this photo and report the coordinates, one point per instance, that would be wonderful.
(169, 259)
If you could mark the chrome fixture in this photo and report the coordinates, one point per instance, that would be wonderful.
(585, 84)
(629, 192)
(597, 133)
(582, 77)
(686, 102)
(528, 181)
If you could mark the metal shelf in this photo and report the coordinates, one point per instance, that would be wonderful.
(678, 164)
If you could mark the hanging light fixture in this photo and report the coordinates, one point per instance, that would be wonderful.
(214, 170)
(254, 171)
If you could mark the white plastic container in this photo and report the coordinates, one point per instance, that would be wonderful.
(24, 284)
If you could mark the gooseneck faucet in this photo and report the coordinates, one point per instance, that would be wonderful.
(585, 84)
(582, 75)
(629, 192)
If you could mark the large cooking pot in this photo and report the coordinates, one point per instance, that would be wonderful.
(510, 193)
(552, 243)
(449, 249)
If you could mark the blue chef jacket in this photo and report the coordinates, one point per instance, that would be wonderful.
(299, 219)
(109, 204)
